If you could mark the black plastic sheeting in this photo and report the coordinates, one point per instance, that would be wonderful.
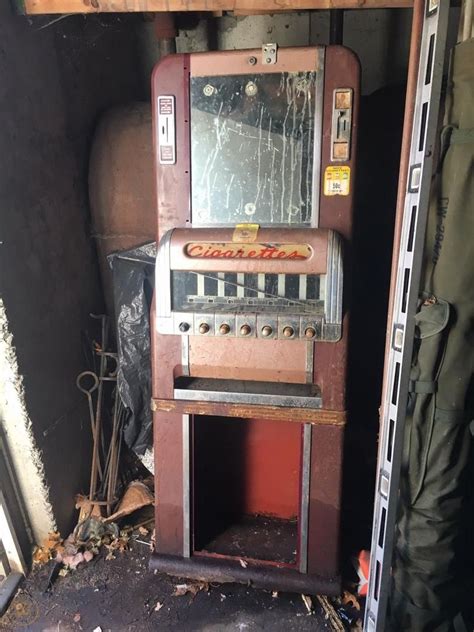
(133, 281)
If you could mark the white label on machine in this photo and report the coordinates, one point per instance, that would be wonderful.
(166, 130)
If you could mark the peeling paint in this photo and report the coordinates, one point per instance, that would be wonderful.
(17, 427)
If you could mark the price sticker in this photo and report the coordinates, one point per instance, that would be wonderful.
(337, 180)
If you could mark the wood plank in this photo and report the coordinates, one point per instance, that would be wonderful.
(273, 413)
(33, 7)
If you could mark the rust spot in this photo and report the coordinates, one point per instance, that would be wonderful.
(274, 413)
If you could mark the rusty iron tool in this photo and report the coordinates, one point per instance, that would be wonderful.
(113, 458)
(113, 454)
(100, 389)
(110, 373)
(96, 466)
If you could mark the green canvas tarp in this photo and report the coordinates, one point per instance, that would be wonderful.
(431, 580)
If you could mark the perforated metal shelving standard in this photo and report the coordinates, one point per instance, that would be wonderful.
(394, 397)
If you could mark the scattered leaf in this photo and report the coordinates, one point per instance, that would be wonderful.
(192, 588)
(63, 572)
(97, 629)
(180, 590)
(158, 606)
(77, 617)
(88, 556)
(49, 549)
(308, 603)
(243, 563)
(348, 599)
(223, 597)
(87, 508)
(119, 544)
(72, 561)
(142, 531)
(275, 594)
(330, 614)
(41, 556)
(52, 539)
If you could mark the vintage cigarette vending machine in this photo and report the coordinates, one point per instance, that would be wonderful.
(255, 154)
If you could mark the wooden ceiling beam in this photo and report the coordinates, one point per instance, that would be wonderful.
(43, 7)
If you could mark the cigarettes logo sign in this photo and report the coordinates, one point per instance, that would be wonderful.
(293, 252)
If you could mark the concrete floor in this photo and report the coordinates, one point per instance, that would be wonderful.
(120, 595)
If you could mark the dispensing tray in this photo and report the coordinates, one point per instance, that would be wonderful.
(248, 392)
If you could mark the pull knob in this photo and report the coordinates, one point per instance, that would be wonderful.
(203, 328)
(245, 330)
(267, 331)
(224, 329)
(310, 332)
(288, 332)
(183, 327)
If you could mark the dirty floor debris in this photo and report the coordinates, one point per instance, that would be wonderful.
(121, 595)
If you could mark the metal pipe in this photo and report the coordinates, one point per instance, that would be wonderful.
(336, 26)
(270, 577)
(165, 31)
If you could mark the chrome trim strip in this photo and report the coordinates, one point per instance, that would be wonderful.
(200, 284)
(261, 285)
(185, 354)
(305, 489)
(220, 284)
(186, 486)
(303, 287)
(318, 130)
(322, 287)
(240, 284)
(163, 267)
(291, 401)
(281, 285)
(334, 280)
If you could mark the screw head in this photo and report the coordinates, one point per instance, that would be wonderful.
(203, 328)
(252, 61)
(310, 332)
(288, 332)
(250, 208)
(251, 89)
(267, 331)
(208, 90)
(245, 330)
(224, 329)
(183, 327)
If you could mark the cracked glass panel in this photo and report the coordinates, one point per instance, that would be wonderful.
(252, 148)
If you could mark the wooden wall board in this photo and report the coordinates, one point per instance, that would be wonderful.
(38, 7)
